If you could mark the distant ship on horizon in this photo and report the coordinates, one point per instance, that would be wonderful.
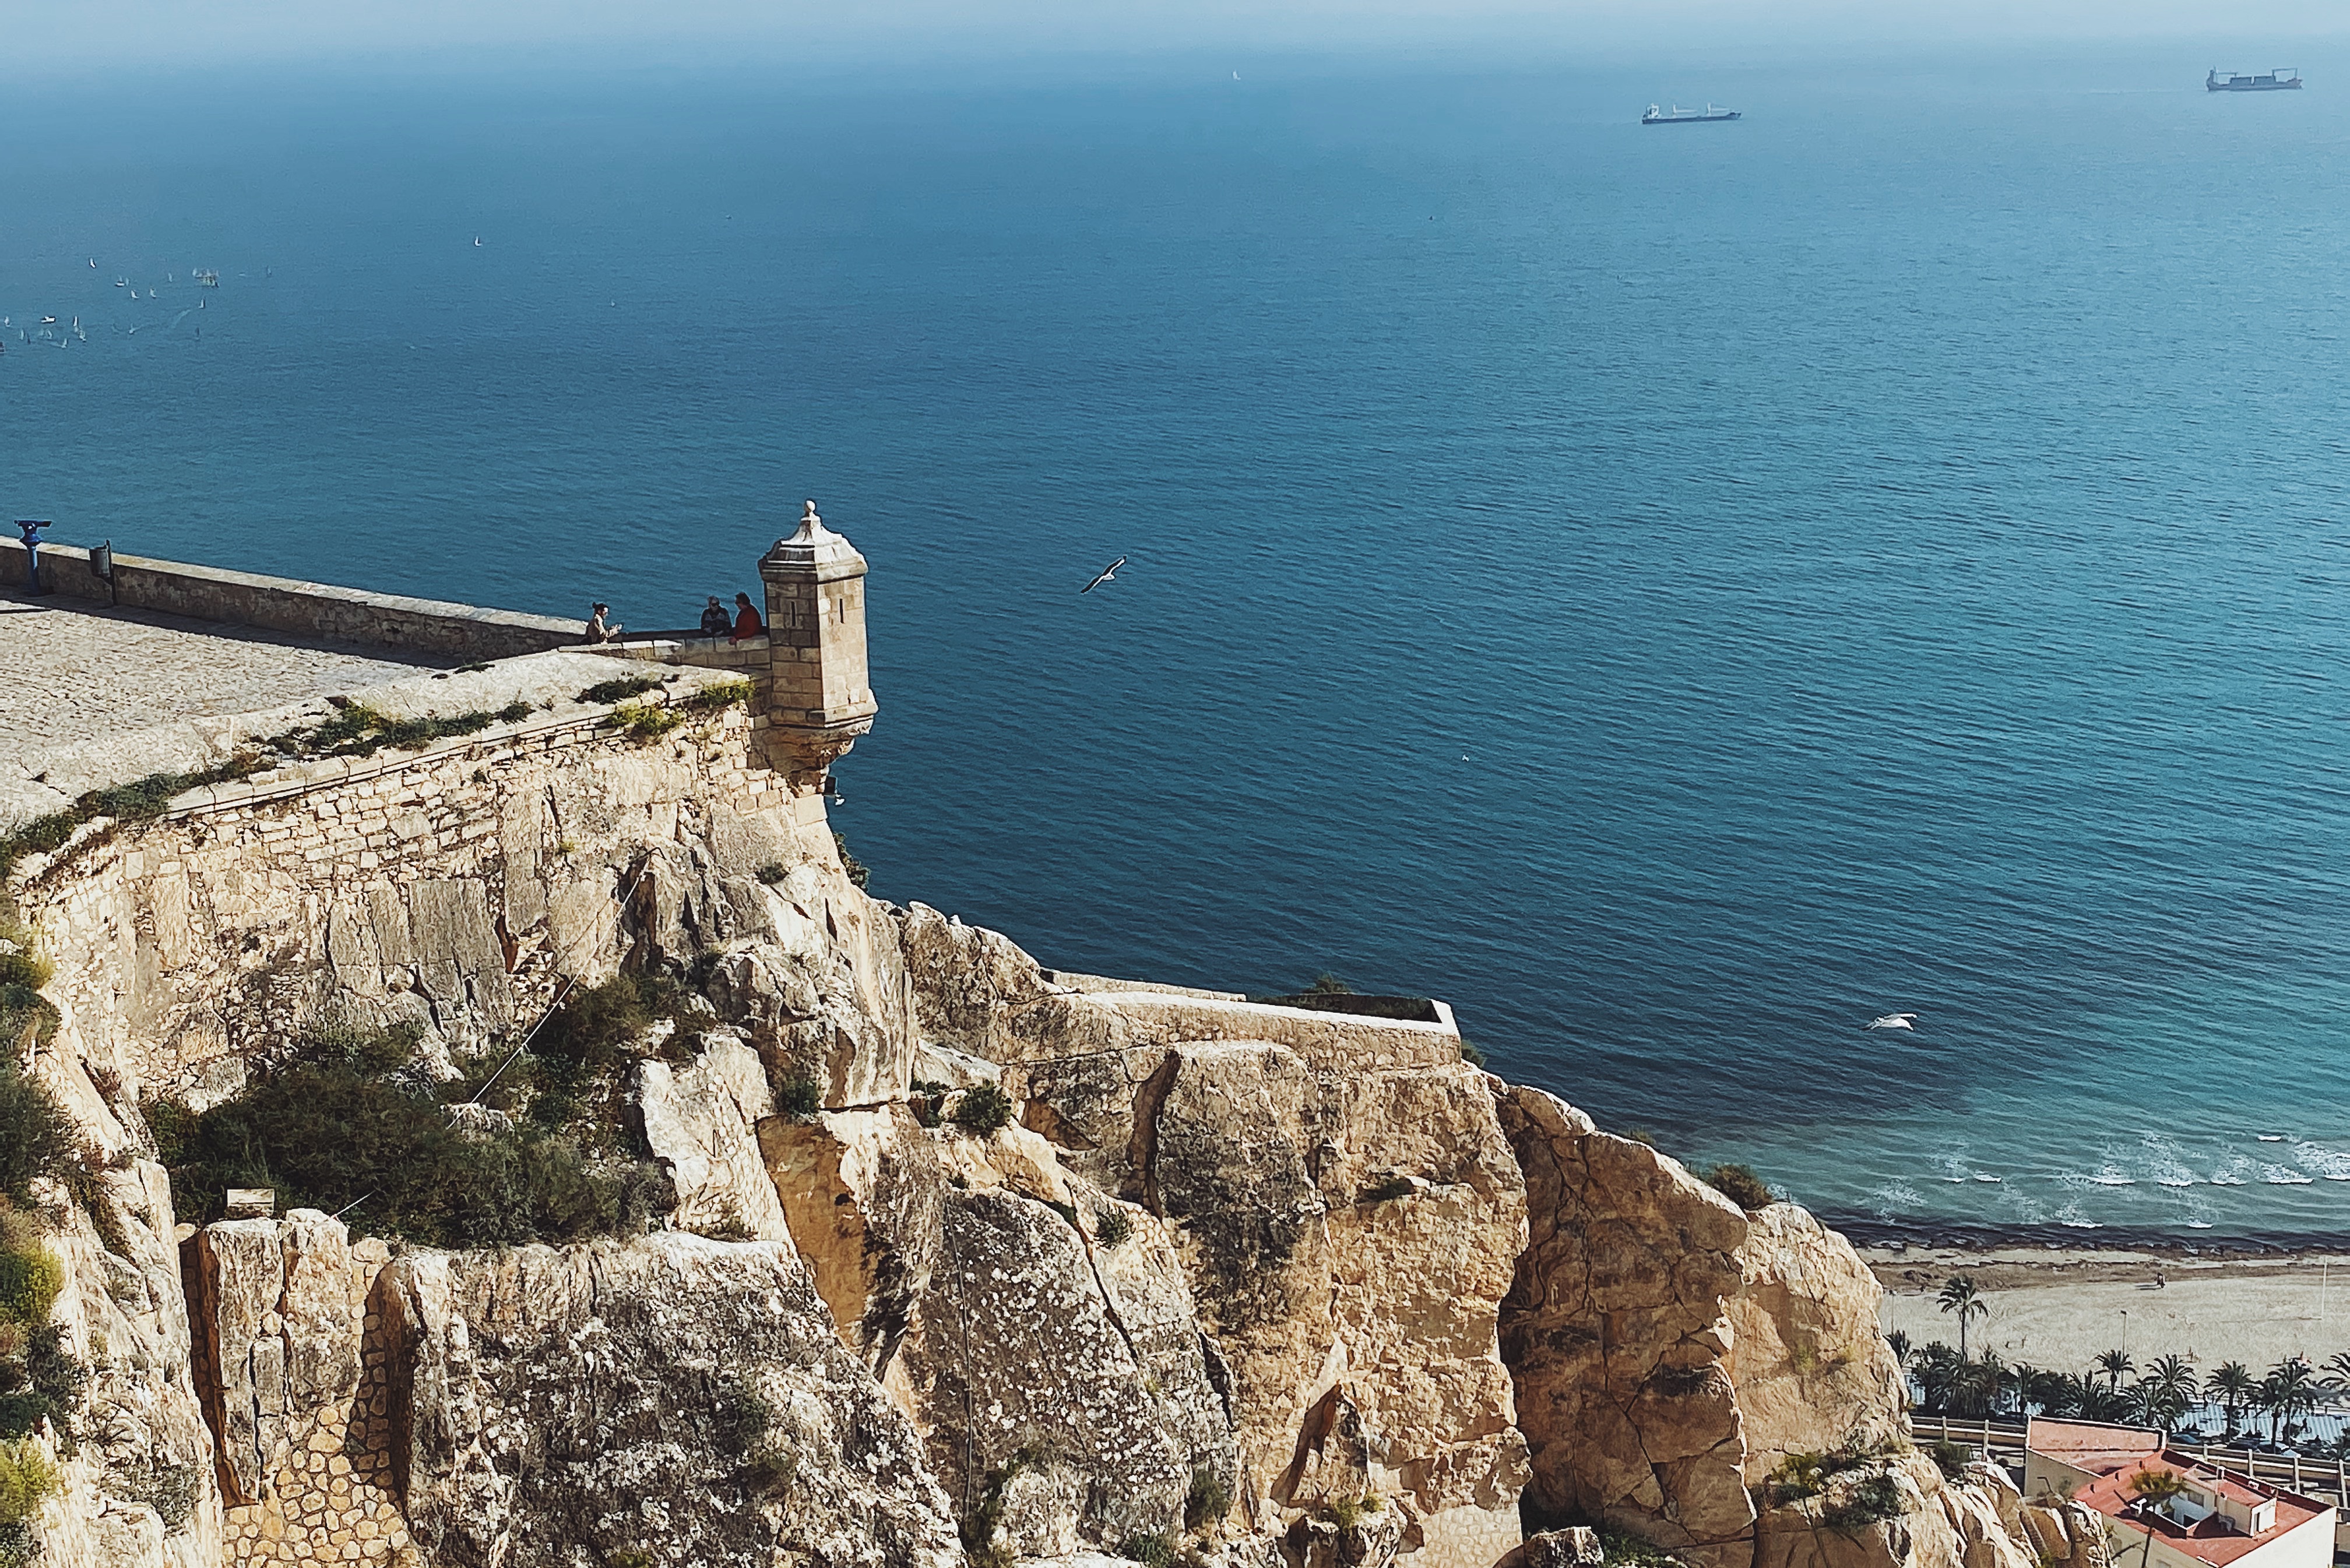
(1677, 115)
(2284, 79)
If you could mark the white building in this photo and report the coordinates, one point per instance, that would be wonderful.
(2219, 1520)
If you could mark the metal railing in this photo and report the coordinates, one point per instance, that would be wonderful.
(2325, 1480)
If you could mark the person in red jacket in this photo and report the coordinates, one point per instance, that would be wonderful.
(746, 619)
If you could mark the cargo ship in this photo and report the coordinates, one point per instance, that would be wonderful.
(2282, 80)
(1677, 115)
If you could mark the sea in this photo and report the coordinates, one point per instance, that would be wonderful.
(1677, 594)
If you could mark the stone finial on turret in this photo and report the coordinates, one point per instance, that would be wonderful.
(818, 701)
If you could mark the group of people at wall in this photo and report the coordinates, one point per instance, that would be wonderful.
(715, 622)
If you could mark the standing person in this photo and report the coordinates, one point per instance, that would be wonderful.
(598, 631)
(746, 619)
(715, 621)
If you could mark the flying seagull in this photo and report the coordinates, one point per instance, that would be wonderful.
(1892, 1021)
(1108, 575)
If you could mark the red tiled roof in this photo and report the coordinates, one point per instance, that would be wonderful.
(2212, 1540)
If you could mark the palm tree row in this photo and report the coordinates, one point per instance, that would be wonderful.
(1951, 1383)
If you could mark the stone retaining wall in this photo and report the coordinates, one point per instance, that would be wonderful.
(320, 610)
(448, 887)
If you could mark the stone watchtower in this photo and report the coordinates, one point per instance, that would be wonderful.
(817, 702)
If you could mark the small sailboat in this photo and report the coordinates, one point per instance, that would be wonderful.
(48, 321)
(122, 283)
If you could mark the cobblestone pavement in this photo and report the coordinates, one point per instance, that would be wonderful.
(77, 673)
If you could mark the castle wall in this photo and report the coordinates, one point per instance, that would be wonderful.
(321, 610)
(450, 887)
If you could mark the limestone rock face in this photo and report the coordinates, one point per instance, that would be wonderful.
(970, 985)
(1616, 1332)
(820, 990)
(1020, 1360)
(1811, 1370)
(701, 1123)
(2065, 1532)
(675, 1397)
(1934, 1524)
(861, 1191)
(1349, 1237)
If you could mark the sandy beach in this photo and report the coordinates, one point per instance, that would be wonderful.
(2060, 1309)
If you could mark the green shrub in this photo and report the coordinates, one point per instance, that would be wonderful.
(39, 1380)
(621, 686)
(345, 1122)
(773, 872)
(799, 1099)
(1387, 1190)
(645, 721)
(1151, 1551)
(1621, 1549)
(515, 712)
(859, 874)
(1794, 1478)
(30, 1279)
(1209, 1500)
(1112, 1227)
(26, 1479)
(981, 1110)
(35, 1137)
(1741, 1186)
(1950, 1458)
(721, 695)
(1872, 1501)
(1471, 1055)
(1347, 1512)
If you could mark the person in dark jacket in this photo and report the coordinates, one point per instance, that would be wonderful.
(746, 619)
(715, 621)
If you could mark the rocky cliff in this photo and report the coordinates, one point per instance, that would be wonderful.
(954, 1258)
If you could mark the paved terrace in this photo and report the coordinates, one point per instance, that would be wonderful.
(79, 673)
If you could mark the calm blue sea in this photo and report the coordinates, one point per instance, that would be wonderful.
(1674, 593)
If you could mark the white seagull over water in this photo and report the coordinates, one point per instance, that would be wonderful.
(1108, 575)
(1892, 1021)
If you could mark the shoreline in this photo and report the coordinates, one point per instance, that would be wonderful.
(1870, 1233)
(2258, 1302)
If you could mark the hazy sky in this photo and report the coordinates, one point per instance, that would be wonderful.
(84, 34)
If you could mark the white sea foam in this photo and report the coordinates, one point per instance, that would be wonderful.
(2162, 1159)
(2278, 1176)
(2071, 1215)
(2112, 1175)
(2233, 1172)
(1896, 1198)
(2022, 1207)
(2321, 1161)
(1954, 1164)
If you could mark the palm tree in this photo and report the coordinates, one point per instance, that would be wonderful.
(1899, 1342)
(2165, 1392)
(2153, 1488)
(1938, 1367)
(2234, 1387)
(2292, 1388)
(1960, 1295)
(2029, 1382)
(2115, 1364)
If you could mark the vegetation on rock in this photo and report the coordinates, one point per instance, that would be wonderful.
(1741, 1186)
(621, 688)
(35, 1139)
(981, 1110)
(860, 874)
(347, 1122)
